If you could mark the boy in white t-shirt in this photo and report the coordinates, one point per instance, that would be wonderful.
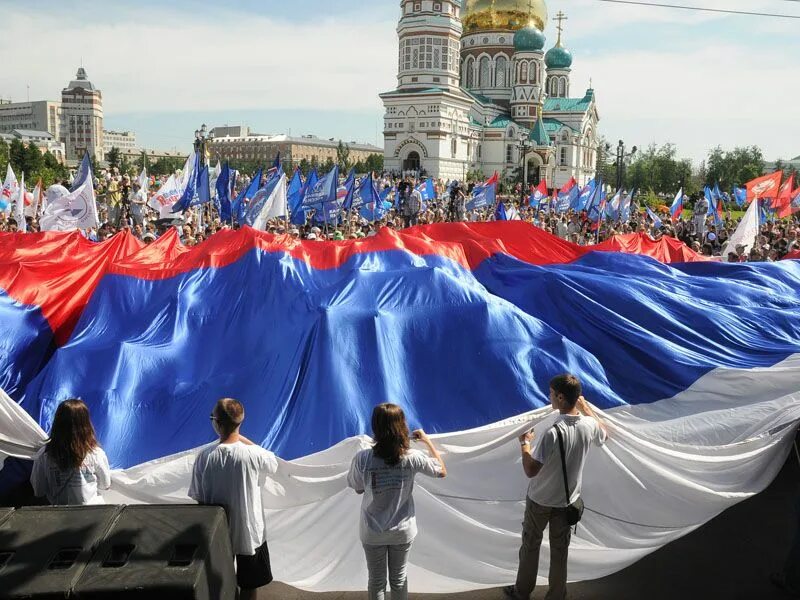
(231, 474)
(547, 501)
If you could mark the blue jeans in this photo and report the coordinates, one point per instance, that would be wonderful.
(394, 559)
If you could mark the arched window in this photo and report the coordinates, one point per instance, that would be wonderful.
(533, 71)
(562, 87)
(485, 80)
(523, 78)
(470, 69)
(501, 75)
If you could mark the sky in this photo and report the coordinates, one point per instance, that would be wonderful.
(697, 80)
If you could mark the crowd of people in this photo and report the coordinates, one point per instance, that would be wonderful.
(123, 204)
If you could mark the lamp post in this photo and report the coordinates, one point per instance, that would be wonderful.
(202, 137)
(622, 159)
(524, 145)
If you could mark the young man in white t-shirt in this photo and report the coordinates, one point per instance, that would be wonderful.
(231, 474)
(546, 500)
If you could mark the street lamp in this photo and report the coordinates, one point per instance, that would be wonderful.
(201, 139)
(622, 159)
(524, 145)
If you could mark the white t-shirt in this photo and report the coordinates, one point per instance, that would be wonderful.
(231, 476)
(71, 486)
(579, 433)
(387, 509)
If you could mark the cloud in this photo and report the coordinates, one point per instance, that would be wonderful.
(184, 62)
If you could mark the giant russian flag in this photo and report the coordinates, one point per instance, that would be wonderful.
(694, 364)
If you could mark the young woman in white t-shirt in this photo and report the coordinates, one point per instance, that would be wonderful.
(385, 475)
(72, 467)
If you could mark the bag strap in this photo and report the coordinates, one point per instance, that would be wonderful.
(563, 461)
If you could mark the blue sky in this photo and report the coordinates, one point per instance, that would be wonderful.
(314, 66)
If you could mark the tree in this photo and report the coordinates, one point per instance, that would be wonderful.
(659, 170)
(17, 155)
(606, 170)
(305, 167)
(33, 159)
(374, 162)
(142, 162)
(343, 156)
(735, 167)
(113, 158)
(5, 157)
(329, 164)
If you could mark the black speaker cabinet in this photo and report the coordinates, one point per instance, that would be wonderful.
(44, 550)
(173, 551)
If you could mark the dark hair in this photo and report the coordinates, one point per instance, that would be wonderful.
(390, 432)
(567, 385)
(229, 414)
(72, 435)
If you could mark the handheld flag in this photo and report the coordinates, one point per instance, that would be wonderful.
(654, 217)
(783, 203)
(740, 195)
(19, 206)
(539, 194)
(77, 210)
(500, 213)
(747, 231)
(9, 189)
(268, 203)
(586, 195)
(223, 187)
(294, 197)
(484, 195)
(84, 173)
(676, 209)
(764, 187)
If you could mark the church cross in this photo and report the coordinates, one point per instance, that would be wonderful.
(560, 17)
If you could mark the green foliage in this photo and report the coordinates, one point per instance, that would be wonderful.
(606, 169)
(143, 162)
(343, 156)
(734, 167)
(113, 158)
(165, 166)
(30, 161)
(659, 170)
(373, 163)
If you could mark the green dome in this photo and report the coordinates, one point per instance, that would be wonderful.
(558, 58)
(528, 39)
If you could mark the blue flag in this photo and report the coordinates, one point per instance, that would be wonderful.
(188, 197)
(656, 221)
(324, 190)
(427, 190)
(484, 195)
(256, 205)
(84, 172)
(740, 195)
(585, 198)
(566, 201)
(224, 193)
(240, 204)
(203, 187)
(294, 194)
(500, 213)
(350, 188)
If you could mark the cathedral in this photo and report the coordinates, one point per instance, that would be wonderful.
(476, 91)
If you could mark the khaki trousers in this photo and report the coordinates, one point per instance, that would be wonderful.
(538, 517)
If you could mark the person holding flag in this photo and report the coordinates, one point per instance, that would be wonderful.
(676, 209)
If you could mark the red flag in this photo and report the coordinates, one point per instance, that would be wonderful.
(494, 179)
(568, 186)
(783, 203)
(764, 187)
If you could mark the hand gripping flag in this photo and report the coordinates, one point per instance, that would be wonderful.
(764, 187)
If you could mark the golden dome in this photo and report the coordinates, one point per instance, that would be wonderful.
(506, 15)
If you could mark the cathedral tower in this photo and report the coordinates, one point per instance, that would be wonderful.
(559, 65)
(527, 75)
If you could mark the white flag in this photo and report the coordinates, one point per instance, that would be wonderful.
(747, 232)
(9, 190)
(76, 210)
(167, 195)
(143, 181)
(19, 206)
(32, 207)
(274, 206)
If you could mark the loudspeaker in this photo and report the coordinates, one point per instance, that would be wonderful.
(43, 550)
(176, 552)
